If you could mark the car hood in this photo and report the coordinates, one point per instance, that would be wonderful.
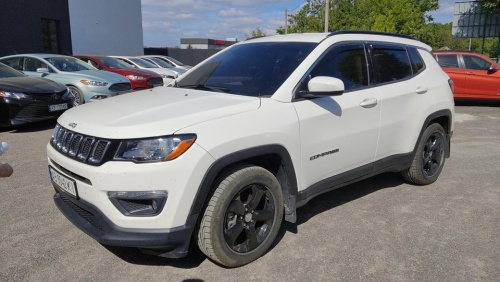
(155, 112)
(100, 75)
(30, 85)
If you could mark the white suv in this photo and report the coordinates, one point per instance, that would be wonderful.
(246, 137)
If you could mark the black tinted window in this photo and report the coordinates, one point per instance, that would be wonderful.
(475, 63)
(8, 72)
(417, 64)
(347, 63)
(391, 64)
(447, 61)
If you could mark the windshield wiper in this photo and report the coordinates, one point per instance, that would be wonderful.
(206, 87)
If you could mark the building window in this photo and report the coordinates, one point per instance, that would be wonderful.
(50, 35)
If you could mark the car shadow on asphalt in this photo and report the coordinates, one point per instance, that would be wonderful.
(315, 206)
(340, 196)
(30, 127)
(477, 103)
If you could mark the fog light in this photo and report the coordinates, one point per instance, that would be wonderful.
(144, 203)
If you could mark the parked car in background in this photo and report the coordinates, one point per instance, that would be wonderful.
(26, 99)
(85, 82)
(163, 64)
(171, 61)
(139, 78)
(167, 75)
(474, 75)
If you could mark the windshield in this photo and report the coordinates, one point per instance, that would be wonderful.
(160, 62)
(69, 64)
(175, 61)
(114, 63)
(255, 69)
(143, 63)
(6, 71)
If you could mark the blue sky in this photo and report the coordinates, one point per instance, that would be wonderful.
(165, 22)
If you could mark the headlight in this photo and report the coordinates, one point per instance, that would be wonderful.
(168, 76)
(135, 77)
(154, 149)
(15, 95)
(93, 82)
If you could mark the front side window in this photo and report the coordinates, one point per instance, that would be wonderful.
(476, 63)
(391, 63)
(32, 64)
(253, 69)
(448, 61)
(347, 63)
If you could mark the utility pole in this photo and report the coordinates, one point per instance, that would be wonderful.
(286, 21)
(327, 10)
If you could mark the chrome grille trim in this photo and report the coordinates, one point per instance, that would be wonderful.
(82, 148)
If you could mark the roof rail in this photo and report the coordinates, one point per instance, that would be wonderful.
(370, 32)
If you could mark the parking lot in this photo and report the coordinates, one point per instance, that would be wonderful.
(380, 229)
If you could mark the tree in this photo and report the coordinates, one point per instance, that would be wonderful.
(399, 16)
(256, 33)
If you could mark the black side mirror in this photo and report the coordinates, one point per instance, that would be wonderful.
(492, 69)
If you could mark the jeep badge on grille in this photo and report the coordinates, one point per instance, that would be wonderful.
(72, 125)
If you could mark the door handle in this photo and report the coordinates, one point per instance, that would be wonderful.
(369, 103)
(421, 90)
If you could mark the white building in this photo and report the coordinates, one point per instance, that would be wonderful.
(110, 27)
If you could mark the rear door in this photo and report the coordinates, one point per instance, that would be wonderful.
(450, 64)
(479, 82)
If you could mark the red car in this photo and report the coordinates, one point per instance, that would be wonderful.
(474, 75)
(140, 79)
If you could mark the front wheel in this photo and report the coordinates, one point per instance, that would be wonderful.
(243, 216)
(77, 96)
(429, 158)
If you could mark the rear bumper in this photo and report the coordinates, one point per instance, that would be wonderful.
(172, 243)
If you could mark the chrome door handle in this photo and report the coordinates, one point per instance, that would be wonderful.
(369, 103)
(421, 90)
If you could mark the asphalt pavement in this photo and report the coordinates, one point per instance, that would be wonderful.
(381, 229)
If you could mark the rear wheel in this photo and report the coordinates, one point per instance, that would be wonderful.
(243, 216)
(429, 158)
(77, 96)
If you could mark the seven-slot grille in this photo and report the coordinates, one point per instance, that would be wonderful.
(86, 149)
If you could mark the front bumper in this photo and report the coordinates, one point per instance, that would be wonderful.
(19, 111)
(173, 242)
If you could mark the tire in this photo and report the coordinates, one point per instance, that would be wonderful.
(429, 158)
(77, 96)
(242, 217)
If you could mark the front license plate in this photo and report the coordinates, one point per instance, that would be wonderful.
(66, 184)
(58, 107)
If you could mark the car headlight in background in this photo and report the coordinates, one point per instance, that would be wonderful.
(135, 77)
(93, 82)
(15, 95)
(154, 149)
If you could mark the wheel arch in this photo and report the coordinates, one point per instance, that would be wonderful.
(443, 118)
(274, 158)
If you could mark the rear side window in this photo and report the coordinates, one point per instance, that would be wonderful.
(448, 61)
(417, 64)
(13, 63)
(391, 63)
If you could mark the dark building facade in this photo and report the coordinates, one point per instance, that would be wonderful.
(34, 26)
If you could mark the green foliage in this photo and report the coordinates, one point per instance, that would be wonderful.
(256, 33)
(398, 16)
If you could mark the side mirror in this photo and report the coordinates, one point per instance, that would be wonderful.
(42, 70)
(325, 86)
(492, 69)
